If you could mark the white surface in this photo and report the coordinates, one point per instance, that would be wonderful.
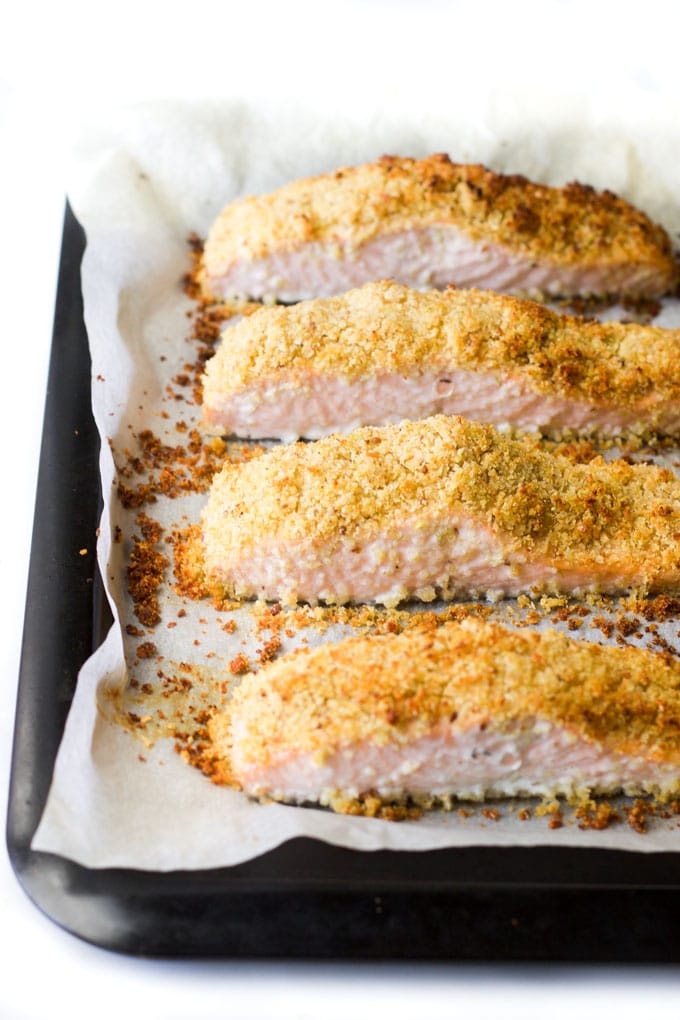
(54, 60)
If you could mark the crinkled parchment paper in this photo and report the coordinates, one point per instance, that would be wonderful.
(140, 186)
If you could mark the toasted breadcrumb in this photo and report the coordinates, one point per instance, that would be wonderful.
(147, 650)
(146, 570)
(173, 471)
(597, 816)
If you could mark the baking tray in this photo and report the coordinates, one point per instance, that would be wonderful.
(306, 899)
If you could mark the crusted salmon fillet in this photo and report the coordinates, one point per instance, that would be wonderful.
(430, 223)
(384, 352)
(439, 507)
(468, 710)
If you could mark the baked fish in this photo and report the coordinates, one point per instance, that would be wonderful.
(430, 223)
(441, 507)
(384, 352)
(469, 710)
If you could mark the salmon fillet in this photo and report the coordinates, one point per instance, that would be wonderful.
(430, 223)
(439, 507)
(468, 710)
(384, 352)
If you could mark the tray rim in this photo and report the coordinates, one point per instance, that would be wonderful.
(480, 903)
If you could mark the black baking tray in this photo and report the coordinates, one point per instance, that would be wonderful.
(306, 899)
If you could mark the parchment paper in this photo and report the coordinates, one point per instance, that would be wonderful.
(140, 186)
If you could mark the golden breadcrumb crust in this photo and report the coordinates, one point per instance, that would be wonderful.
(377, 481)
(385, 327)
(572, 225)
(389, 689)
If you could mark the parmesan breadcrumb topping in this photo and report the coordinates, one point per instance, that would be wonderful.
(388, 328)
(386, 689)
(614, 516)
(572, 225)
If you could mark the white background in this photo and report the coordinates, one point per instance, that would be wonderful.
(62, 62)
